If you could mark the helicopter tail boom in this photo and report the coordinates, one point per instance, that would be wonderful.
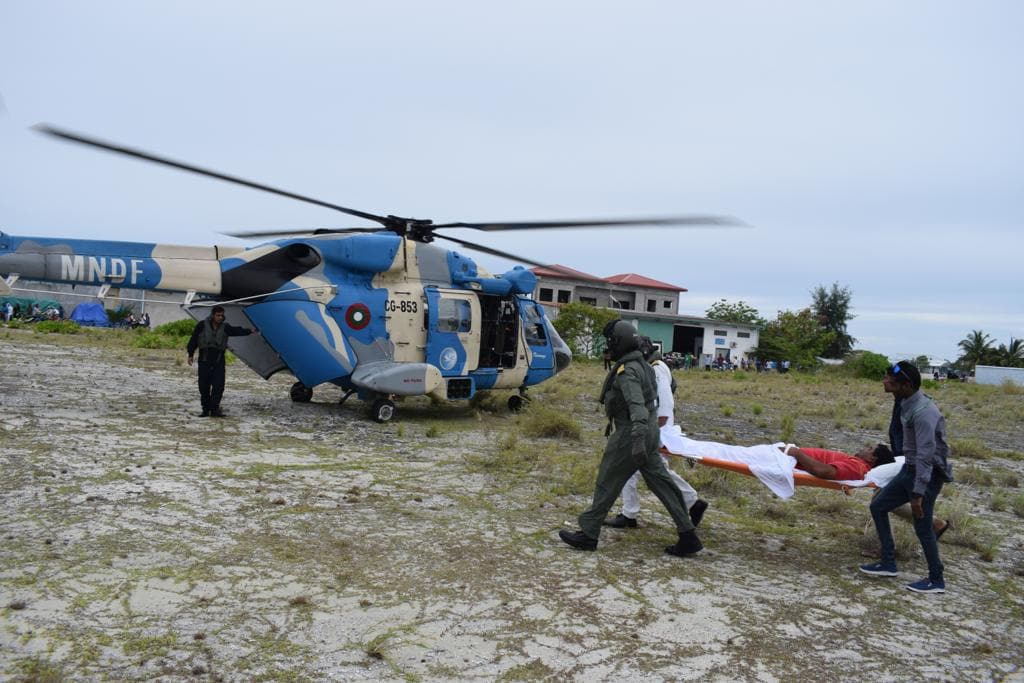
(131, 265)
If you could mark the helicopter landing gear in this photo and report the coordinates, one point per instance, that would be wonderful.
(382, 410)
(344, 397)
(516, 403)
(301, 393)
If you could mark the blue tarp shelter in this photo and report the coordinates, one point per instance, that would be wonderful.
(90, 314)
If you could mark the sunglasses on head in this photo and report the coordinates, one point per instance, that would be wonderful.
(896, 370)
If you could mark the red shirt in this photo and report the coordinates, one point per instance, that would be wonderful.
(848, 467)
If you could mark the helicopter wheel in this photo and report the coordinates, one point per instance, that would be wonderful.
(382, 410)
(301, 393)
(515, 403)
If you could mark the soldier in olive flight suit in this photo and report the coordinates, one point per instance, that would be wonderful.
(210, 338)
(630, 399)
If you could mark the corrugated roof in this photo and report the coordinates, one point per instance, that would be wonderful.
(634, 280)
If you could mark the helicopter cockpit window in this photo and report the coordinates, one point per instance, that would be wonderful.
(454, 315)
(533, 326)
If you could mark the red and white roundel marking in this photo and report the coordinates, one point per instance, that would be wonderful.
(357, 316)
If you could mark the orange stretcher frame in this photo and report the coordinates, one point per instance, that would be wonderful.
(800, 478)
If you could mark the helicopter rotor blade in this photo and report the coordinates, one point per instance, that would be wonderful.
(503, 254)
(300, 232)
(47, 129)
(677, 221)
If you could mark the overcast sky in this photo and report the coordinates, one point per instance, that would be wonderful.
(875, 144)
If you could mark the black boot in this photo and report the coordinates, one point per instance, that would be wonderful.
(688, 544)
(620, 521)
(578, 540)
(697, 511)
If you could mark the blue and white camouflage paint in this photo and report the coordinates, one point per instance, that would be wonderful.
(375, 312)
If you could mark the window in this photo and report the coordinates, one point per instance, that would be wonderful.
(721, 333)
(454, 315)
(588, 300)
(743, 335)
(546, 294)
(667, 304)
(652, 306)
(533, 326)
(563, 296)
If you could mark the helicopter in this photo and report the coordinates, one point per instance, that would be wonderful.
(379, 311)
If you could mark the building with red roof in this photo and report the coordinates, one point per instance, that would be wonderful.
(558, 284)
(650, 305)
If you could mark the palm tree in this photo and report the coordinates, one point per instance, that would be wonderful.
(1011, 356)
(975, 347)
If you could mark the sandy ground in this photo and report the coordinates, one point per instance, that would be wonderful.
(303, 542)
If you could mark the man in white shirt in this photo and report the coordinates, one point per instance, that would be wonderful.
(666, 409)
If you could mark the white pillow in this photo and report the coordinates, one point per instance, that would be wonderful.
(883, 474)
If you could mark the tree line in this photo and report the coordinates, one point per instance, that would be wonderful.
(978, 349)
(801, 337)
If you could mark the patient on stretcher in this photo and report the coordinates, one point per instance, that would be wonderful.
(826, 464)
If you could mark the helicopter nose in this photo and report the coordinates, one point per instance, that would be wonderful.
(563, 355)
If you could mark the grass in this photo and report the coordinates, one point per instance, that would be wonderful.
(969, 474)
(541, 420)
(971, 449)
(1011, 388)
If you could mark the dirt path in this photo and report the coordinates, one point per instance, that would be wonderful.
(303, 542)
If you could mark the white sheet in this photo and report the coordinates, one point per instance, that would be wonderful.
(766, 462)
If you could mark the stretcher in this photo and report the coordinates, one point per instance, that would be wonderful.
(800, 478)
(767, 463)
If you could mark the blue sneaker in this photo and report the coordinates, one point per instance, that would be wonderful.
(926, 585)
(880, 569)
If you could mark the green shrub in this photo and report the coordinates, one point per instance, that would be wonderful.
(788, 428)
(173, 335)
(116, 315)
(867, 365)
(544, 421)
(178, 328)
(152, 340)
(58, 327)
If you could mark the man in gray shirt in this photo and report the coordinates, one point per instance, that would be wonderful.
(926, 469)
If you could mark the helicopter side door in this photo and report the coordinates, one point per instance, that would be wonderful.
(453, 330)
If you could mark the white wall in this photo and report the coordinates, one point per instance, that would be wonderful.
(739, 347)
(989, 374)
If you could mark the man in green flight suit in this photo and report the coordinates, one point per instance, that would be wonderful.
(630, 399)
